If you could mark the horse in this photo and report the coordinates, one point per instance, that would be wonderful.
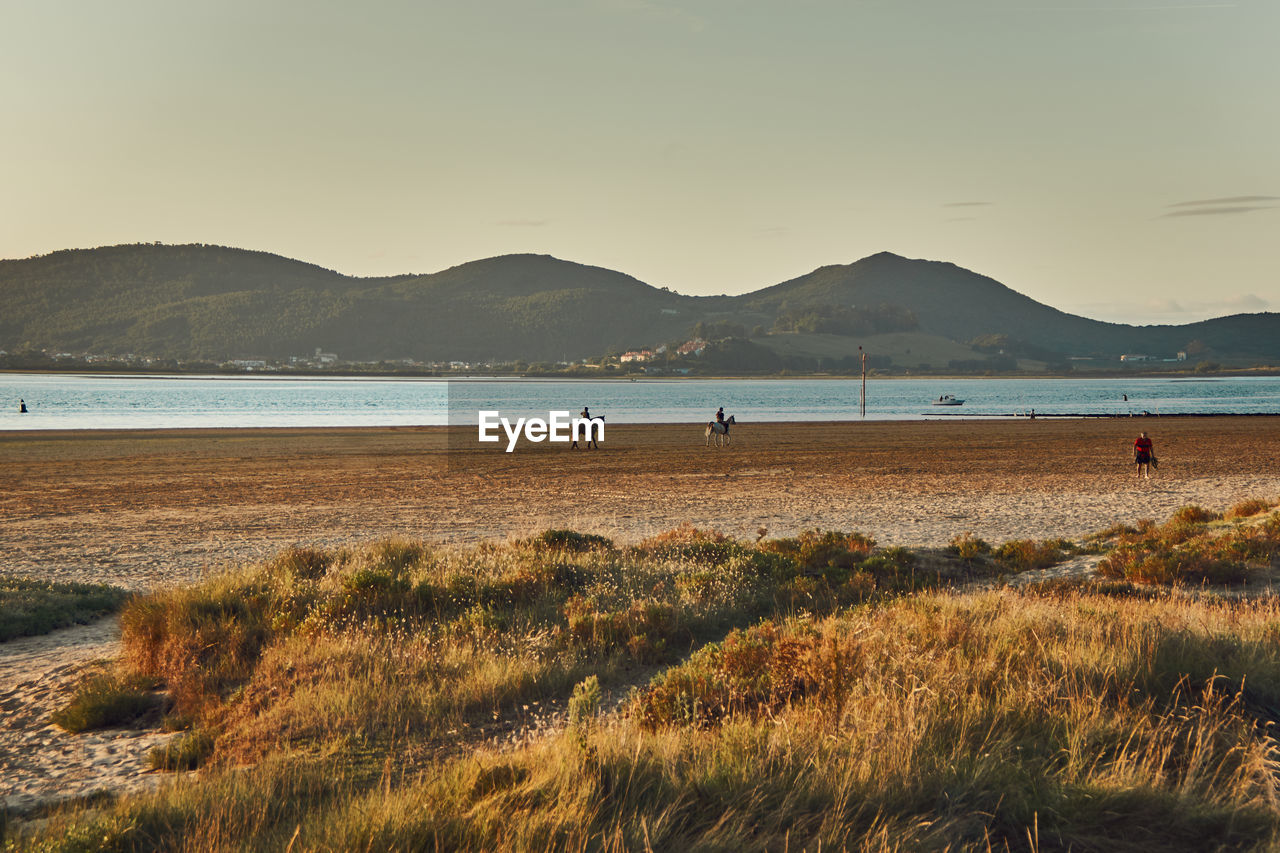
(591, 433)
(720, 431)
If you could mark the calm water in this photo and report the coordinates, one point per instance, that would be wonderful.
(137, 402)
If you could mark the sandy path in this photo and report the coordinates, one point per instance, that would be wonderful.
(41, 763)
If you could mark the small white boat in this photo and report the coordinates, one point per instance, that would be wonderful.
(948, 400)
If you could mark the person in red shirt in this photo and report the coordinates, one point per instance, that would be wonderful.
(1142, 455)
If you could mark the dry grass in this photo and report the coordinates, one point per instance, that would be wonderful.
(1247, 508)
(399, 636)
(1196, 546)
(816, 693)
(969, 722)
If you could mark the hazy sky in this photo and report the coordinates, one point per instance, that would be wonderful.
(1116, 158)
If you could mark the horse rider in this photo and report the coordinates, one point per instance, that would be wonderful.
(586, 416)
(720, 415)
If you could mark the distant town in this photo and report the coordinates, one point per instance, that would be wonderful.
(684, 359)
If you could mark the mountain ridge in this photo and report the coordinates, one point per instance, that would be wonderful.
(198, 301)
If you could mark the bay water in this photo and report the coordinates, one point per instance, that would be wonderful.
(82, 401)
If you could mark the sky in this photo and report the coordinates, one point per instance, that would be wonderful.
(1118, 159)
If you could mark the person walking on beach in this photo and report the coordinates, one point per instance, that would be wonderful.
(22, 406)
(1143, 455)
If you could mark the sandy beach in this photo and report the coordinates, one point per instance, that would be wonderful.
(146, 508)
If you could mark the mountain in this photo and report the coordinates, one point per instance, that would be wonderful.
(961, 305)
(530, 307)
(209, 302)
(946, 300)
(168, 301)
(214, 303)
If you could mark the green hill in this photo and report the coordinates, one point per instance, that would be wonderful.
(208, 302)
(961, 305)
(531, 307)
(169, 301)
(947, 301)
(211, 302)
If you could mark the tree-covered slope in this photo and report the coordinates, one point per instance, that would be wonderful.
(211, 302)
(215, 302)
(947, 300)
(173, 301)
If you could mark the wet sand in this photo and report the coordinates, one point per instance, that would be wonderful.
(142, 508)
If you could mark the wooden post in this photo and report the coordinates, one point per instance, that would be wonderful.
(862, 395)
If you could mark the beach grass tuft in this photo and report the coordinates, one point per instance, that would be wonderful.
(1248, 508)
(108, 700)
(1020, 555)
(29, 607)
(966, 546)
(186, 751)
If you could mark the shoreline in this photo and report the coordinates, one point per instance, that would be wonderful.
(939, 416)
(293, 375)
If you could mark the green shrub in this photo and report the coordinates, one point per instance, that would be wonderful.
(530, 583)
(395, 556)
(1247, 508)
(893, 570)
(817, 550)
(569, 540)
(1186, 550)
(302, 563)
(29, 607)
(968, 547)
(1165, 565)
(186, 751)
(1176, 531)
(643, 630)
(1021, 555)
(1192, 514)
(106, 701)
